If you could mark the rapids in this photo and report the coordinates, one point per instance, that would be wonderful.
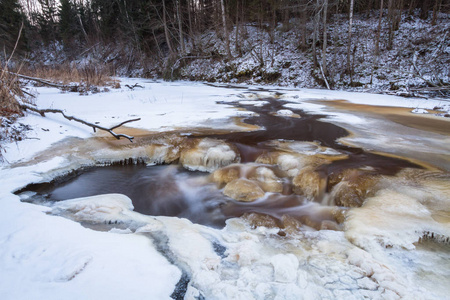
(291, 165)
(305, 206)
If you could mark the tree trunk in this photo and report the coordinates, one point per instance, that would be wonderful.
(399, 14)
(166, 29)
(349, 43)
(436, 9)
(391, 17)
(225, 30)
(324, 49)
(304, 32)
(377, 42)
(180, 27)
(315, 34)
(191, 26)
(237, 43)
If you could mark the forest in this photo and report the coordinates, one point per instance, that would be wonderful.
(389, 46)
(225, 149)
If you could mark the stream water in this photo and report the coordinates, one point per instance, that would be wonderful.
(170, 190)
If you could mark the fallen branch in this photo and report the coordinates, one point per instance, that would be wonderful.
(131, 87)
(39, 80)
(42, 112)
(434, 88)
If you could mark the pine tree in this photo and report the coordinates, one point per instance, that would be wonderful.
(11, 20)
(69, 29)
(46, 20)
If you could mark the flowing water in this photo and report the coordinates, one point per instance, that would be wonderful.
(308, 212)
(306, 140)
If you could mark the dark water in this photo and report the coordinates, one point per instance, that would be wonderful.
(307, 128)
(173, 191)
(166, 190)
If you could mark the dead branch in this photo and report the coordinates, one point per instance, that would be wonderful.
(42, 112)
(420, 73)
(324, 77)
(434, 88)
(131, 87)
(39, 80)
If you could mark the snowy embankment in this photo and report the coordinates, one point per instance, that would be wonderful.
(45, 255)
(286, 62)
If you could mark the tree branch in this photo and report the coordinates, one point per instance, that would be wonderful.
(42, 112)
(131, 87)
(40, 80)
(420, 73)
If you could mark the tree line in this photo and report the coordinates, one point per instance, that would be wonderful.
(165, 27)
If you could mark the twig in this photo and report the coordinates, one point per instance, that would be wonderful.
(29, 94)
(42, 112)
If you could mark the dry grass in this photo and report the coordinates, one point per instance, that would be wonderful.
(69, 73)
(9, 91)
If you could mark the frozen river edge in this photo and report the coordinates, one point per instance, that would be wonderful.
(55, 257)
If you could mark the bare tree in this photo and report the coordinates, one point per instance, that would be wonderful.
(180, 26)
(166, 29)
(316, 33)
(377, 41)
(349, 42)
(324, 48)
(436, 9)
(225, 29)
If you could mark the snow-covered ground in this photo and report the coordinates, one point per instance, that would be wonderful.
(46, 253)
(284, 62)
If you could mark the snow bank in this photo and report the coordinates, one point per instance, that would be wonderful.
(138, 256)
(57, 258)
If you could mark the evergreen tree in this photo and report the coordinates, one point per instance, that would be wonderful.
(69, 28)
(11, 20)
(46, 20)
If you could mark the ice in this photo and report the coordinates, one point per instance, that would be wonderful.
(96, 208)
(208, 156)
(392, 247)
(253, 102)
(285, 267)
(285, 112)
(391, 219)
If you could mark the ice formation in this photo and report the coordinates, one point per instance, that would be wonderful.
(393, 246)
(208, 155)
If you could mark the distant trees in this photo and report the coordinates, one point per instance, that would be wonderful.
(169, 29)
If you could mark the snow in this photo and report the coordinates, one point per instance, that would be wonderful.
(56, 258)
(161, 106)
(419, 111)
(46, 252)
(279, 58)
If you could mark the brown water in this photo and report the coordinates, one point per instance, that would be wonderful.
(307, 128)
(169, 190)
